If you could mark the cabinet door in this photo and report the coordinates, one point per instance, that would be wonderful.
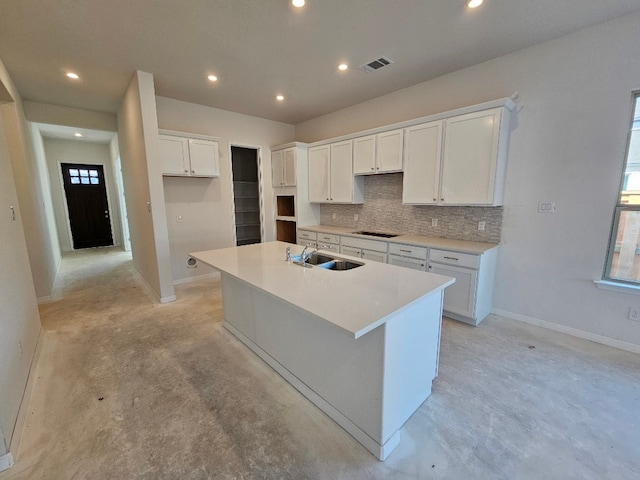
(460, 297)
(174, 155)
(411, 263)
(470, 158)
(204, 158)
(289, 167)
(352, 251)
(277, 168)
(364, 155)
(374, 256)
(319, 174)
(389, 151)
(341, 172)
(423, 149)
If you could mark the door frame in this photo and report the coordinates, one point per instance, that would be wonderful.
(258, 150)
(116, 241)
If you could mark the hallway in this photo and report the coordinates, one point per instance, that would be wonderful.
(125, 388)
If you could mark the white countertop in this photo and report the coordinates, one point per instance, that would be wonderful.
(462, 246)
(356, 300)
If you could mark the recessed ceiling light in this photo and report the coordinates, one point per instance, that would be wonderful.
(343, 67)
(474, 3)
(280, 97)
(212, 78)
(77, 134)
(72, 75)
(298, 3)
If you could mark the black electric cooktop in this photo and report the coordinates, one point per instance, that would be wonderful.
(377, 234)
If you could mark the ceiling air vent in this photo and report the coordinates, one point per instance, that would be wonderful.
(376, 64)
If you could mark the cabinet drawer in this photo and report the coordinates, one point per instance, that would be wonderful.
(374, 245)
(454, 258)
(407, 262)
(328, 238)
(408, 251)
(306, 235)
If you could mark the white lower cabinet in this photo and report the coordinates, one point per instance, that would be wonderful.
(408, 256)
(306, 237)
(363, 248)
(468, 300)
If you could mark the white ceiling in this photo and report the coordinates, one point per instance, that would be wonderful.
(259, 48)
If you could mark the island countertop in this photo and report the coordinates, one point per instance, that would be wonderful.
(356, 301)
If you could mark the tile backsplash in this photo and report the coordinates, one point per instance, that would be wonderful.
(383, 211)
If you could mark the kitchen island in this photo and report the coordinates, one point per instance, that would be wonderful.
(361, 344)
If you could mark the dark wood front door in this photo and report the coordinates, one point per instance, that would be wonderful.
(87, 203)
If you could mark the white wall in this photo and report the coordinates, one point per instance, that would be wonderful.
(59, 151)
(71, 117)
(138, 139)
(567, 146)
(206, 205)
(30, 180)
(19, 318)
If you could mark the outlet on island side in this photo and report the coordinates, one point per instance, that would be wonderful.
(334, 215)
(434, 222)
(481, 226)
(634, 314)
(355, 217)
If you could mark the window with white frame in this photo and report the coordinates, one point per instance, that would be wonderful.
(623, 258)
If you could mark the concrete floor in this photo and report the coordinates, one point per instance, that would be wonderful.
(129, 389)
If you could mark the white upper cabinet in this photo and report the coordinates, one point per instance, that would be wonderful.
(381, 153)
(423, 153)
(283, 168)
(470, 158)
(174, 155)
(188, 157)
(364, 155)
(457, 161)
(331, 177)
(389, 152)
(319, 174)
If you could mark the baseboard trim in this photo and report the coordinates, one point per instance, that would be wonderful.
(51, 297)
(6, 461)
(182, 281)
(151, 293)
(23, 411)
(593, 337)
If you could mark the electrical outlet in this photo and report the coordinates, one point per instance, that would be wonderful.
(634, 314)
(356, 217)
(434, 222)
(334, 215)
(481, 226)
(546, 207)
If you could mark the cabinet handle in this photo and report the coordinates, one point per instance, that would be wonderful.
(451, 258)
(435, 199)
(371, 168)
(405, 251)
(442, 199)
(186, 171)
(193, 171)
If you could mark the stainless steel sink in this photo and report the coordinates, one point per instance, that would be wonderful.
(319, 258)
(328, 262)
(339, 264)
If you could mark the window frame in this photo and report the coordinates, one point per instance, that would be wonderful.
(619, 206)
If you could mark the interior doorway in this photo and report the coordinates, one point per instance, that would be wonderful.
(246, 195)
(87, 205)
